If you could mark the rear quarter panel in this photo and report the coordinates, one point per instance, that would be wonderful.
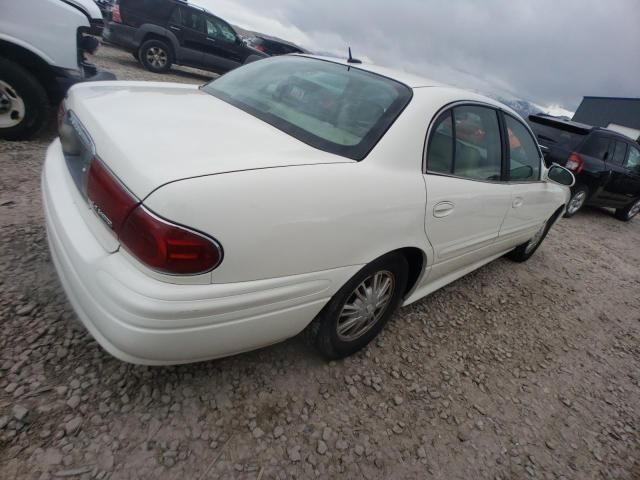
(291, 220)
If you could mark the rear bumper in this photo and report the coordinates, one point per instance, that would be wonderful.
(121, 35)
(143, 320)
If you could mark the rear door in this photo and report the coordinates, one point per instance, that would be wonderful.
(467, 200)
(224, 50)
(596, 152)
(187, 25)
(532, 200)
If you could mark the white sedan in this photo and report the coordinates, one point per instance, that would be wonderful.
(295, 193)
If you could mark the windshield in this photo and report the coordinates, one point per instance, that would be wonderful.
(333, 107)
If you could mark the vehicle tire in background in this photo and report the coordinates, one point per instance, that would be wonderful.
(630, 211)
(578, 197)
(156, 56)
(360, 309)
(24, 104)
(524, 252)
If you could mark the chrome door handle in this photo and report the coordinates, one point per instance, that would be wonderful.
(443, 209)
(177, 29)
(517, 202)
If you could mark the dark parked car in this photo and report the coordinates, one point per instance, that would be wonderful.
(274, 46)
(160, 33)
(606, 164)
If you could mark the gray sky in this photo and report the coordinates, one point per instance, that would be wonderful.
(550, 52)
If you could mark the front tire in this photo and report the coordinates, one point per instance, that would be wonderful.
(360, 309)
(630, 211)
(24, 104)
(156, 56)
(524, 252)
(576, 202)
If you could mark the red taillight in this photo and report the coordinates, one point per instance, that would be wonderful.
(166, 247)
(115, 14)
(108, 198)
(159, 244)
(260, 48)
(575, 163)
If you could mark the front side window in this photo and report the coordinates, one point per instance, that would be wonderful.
(220, 31)
(596, 146)
(524, 158)
(466, 143)
(633, 160)
(619, 153)
(336, 108)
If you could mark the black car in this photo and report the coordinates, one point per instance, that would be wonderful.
(160, 33)
(274, 46)
(606, 164)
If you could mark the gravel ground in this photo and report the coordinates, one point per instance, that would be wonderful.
(515, 371)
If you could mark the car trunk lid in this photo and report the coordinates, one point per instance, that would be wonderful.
(150, 134)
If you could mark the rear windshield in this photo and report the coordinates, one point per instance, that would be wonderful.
(336, 108)
(557, 134)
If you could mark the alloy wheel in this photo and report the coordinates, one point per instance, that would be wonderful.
(576, 202)
(12, 108)
(535, 241)
(633, 211)
(365, 306)
(156, 57)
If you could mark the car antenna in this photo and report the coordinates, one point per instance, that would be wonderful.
(351, 59)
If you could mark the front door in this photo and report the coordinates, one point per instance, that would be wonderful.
(466, 198)
(223, 49)
(624, 185)
(532, 203)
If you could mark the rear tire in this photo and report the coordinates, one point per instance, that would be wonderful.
(156, 56)
(24, 104)
(351, 319)
(576, 202)
(630, 211)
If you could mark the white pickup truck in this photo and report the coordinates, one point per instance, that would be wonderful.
(42, 47)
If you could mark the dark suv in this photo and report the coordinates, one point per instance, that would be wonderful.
(273, 46)
(162, 32)
(606, 164)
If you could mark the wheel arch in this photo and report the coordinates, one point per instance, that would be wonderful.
(153, 32)
(416, 260)
(34, 64)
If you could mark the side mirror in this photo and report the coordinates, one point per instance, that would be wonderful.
(561, 175)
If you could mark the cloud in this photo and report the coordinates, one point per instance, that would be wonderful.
(549, 52)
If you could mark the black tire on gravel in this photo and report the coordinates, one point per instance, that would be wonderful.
(37, 108)
(163, 49)
(575, 192)
(627, 213)
(524, 252)
(322, 333)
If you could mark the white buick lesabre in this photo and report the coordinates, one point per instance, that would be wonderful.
(294, 193)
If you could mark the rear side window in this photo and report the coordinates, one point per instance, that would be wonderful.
(524, 159)
(192, 19)
(596, 146)
(466, 143)
(619, 153)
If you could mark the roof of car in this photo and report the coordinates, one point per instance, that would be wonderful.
(409, 79)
